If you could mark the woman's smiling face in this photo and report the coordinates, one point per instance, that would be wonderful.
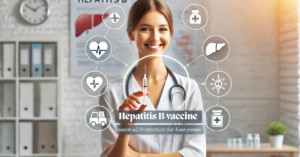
(152, 34)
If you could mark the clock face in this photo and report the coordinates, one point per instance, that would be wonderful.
(35, 11)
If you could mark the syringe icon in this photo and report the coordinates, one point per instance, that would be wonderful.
(145, 87)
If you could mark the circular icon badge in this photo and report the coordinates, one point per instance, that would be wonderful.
(94, 83)
(98, 118)
(114, 17)
(98, 48)
(195, 16)
(217, 118)
(218, 83)
(215, 48)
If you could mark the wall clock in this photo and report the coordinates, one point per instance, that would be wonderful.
(35, 12)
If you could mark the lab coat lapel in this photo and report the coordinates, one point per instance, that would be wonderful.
(164, 102)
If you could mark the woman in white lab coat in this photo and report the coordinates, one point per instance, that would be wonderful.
(150, 26)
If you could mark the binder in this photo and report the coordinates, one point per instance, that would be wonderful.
(42, 139)
(24, 60)
(36, 60)
(48, 99)
(8, 60)
(49, 59)
(1, 61)
(1, 102)
(8, 99)
(52, 137)
(26, 137)
(1, 139)
(26, 99)
(8, 134)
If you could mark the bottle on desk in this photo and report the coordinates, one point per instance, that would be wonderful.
(239, 142)
(234, 143)
(256, 141)
(229, 142)
(249, 141)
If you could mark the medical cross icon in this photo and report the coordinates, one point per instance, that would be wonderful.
(195, 18)
(115, 17)
(94, 83)
(217, 120)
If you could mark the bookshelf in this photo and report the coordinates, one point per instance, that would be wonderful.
(16, 119)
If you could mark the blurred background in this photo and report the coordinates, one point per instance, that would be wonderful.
(263, 64)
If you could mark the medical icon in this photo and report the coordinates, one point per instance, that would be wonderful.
(94, 83)
(115, 17)
(213, 47)
(98, 118)
(218, 83)
(195, 18)
(217, 118)
(98, 49)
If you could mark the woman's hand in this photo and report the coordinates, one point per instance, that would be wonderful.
(130, 104)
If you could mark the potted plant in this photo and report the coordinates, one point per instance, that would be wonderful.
(276, 131)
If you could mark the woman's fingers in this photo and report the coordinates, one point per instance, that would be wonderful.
(142, 107)
(132, 102)
(133, 97)
(139, 93)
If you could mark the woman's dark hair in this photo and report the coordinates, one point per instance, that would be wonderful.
(141, 7)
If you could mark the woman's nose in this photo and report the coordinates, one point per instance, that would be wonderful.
(155, 35)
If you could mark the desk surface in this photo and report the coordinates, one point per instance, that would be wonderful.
(264, 148)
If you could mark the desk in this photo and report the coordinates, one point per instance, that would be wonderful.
(265, 149)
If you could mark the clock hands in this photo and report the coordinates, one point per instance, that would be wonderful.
(38, 7)
(30, 7)
(34, 9)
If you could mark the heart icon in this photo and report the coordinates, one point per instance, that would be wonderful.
(94, 83)
(98, 49)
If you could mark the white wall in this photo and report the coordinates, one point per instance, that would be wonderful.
(288, 69)
(251, 29)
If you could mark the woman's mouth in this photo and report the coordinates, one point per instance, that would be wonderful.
(154, 47)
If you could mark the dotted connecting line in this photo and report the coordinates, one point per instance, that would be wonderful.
(218, 101)
(106, 32)
(119, 60)
(205, 32)
(193, 61)
(217, 66)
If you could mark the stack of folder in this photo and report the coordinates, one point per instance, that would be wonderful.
(46, 96)
(39, 137)
(7, 60)
(37, 60)
(7, 138)
(7, 99)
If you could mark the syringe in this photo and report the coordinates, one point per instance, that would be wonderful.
(145, 87)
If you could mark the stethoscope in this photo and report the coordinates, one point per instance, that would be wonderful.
(176, 85)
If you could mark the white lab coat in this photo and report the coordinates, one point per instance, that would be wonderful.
(188, 145)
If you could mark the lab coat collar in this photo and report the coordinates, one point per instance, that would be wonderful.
(164, 102)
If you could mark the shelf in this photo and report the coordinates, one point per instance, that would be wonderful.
(7, 155)
(45, 155)
(7, 118)
(7, 79)
(38, 78)
(39, 119)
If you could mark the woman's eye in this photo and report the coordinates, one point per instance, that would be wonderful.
(145, 29)
(163, 29)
